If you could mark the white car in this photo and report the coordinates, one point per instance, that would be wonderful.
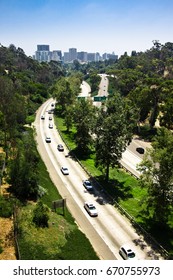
(50, 118)
(91, 209)
(127, 253)
(42, 117)
(64, 170)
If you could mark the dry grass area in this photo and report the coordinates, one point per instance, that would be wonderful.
(7, 239)
(7, 234)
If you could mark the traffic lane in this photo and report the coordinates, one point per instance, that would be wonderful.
(110, 227)
(85, 89)
(114, 241)
(82, 218)
(76, 190)
(103, 86)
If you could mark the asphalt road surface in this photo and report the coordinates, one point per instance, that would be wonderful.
(110, 229)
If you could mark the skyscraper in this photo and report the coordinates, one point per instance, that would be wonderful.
(42, 53)
(72, 54)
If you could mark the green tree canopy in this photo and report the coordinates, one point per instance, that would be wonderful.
(113, 133)
(157, 177)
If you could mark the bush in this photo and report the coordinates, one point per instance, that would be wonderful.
(41, 216)
(6, 209)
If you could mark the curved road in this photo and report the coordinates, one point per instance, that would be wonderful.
(110, 229)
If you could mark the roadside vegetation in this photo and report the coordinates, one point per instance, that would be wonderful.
(140, 102)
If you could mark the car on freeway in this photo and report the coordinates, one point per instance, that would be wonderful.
(48, 139)
(127, 253)
(91, 209)
(42, 117)
(87, 184)
(60, 147)
(140, 150)
(64, 170)
(50, 118)
(50, 125)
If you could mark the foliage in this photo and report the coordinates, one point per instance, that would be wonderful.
(65, 90)
(113, 133)
(84, 122)
(24, 169)
(94, 80)
(157, 177)
(6, 208)
(60, 240)
(40, 215)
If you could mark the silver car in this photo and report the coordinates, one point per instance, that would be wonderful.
(64, 170)
(127, 253)
(91, 209)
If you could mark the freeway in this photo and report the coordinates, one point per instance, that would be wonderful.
(130, 158)
(110, 229)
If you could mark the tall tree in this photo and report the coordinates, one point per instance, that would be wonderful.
(84, 115)
(113, 133)
(63, 93)
(24, 169)
(157, 176)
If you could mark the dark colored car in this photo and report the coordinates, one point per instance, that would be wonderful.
(60, 147)
(140, 150)
(88, 186)
(48, 139)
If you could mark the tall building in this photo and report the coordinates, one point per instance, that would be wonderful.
(66, 57)
(91, 57)
(82, 56)
(56, 55)
(41, 48)
(72, 54)
(42, 53)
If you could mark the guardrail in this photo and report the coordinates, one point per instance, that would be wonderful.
(149, 238)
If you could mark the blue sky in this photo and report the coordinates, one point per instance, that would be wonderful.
(88, 25)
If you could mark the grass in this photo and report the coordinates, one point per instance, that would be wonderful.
(62, 240)
(125, 189)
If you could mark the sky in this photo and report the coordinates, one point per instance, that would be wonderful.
(103, 26)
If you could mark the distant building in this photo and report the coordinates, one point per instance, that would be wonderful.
(82, 56)
(72, 54)
(91, 57)
(41, 48)
(42, 53)
(98, 57)
(66, 57)
(107, 56)
(56, 55)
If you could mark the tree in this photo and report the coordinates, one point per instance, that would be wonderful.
(41, 217)
(84, 114)
(94, 80)
(113, 133)
(63, 93)
(24, 169)
(157, 176)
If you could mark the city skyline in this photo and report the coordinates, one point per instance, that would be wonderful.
(44, 53)
(89, 25)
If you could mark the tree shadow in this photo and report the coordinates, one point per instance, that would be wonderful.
(154, 234)
(117, 190)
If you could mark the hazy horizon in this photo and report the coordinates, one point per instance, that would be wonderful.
(93, 26)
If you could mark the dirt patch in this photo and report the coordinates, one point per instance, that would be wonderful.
(7, 242)
(7, 239)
